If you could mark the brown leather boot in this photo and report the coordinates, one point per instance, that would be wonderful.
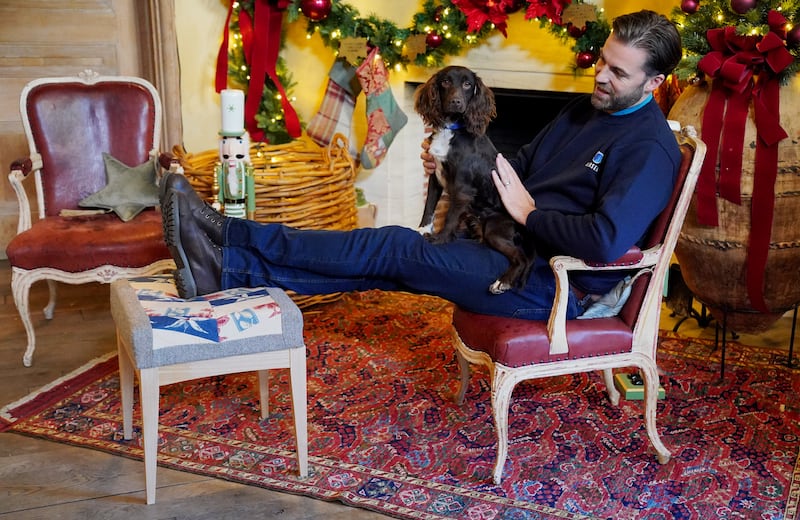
(197, 258)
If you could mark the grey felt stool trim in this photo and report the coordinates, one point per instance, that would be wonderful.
(133, 324)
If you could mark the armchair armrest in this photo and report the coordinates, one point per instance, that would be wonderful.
(631, 256)
(20, 171)
(562, 265)
(24, 166)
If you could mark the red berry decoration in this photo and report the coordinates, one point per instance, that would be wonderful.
(584, 59)
(515, 6)
(433, 40)
(690, 6)
(575, 31)
(742, 6)
(437, 14)
(793, 37)
(316, 10)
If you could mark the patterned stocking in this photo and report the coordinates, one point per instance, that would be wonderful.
(335, 113)
(384, 117)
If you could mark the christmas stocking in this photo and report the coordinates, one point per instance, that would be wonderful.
(384, 117)
(336, 110)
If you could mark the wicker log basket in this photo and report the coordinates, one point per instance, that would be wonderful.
(299, 184)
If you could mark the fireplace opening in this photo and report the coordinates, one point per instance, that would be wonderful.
(521, 114)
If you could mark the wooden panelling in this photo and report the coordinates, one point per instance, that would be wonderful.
(42, 38)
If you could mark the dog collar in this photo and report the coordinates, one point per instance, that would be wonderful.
(454, 126)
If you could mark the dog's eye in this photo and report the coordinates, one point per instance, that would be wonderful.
(466, 85)
(446, 82)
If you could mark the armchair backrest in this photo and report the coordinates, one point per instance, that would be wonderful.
(665, 229)
(69, 122)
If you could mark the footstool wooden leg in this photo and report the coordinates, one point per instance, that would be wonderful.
(126, 389)
(263, 392)
(149, 392)
(297, 370)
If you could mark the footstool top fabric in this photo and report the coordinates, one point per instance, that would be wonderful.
(165, 329)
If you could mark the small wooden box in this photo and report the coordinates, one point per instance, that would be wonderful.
(631, 391)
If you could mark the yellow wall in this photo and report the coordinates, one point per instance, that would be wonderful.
(199, 28)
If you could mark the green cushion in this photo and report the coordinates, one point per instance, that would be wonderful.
(129, 190)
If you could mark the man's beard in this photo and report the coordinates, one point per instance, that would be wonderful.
(615, 102)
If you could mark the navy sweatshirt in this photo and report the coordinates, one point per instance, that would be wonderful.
(599, 181)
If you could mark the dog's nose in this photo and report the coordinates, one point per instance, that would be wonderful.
(456, 104)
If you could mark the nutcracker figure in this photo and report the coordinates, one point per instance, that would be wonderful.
(234, 172)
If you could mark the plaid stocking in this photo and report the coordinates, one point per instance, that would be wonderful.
(335, 113)
(384, 117)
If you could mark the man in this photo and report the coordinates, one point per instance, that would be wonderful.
(589, 185)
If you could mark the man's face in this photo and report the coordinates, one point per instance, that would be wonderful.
(620, 79)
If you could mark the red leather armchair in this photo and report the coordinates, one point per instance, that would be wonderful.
(69, 123)
(516, 350)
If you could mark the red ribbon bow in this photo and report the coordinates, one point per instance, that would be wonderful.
(261, 39)
(733, 63)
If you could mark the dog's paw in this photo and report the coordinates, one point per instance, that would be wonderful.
(499, 287)
(440, 238)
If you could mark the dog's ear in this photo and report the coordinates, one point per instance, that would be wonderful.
(428, 103)
(481, 109)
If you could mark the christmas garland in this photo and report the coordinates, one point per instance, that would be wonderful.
(753, 23)
(445, 27)
(448, 26)
(442, 28)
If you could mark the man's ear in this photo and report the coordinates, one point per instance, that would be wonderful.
(653, 83)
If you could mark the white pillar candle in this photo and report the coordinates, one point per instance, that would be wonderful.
(232, 106)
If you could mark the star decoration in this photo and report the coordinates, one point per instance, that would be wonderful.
(129, 190)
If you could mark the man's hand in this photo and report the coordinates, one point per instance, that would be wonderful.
(515, 197)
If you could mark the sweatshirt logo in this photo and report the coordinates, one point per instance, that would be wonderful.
(594, 164)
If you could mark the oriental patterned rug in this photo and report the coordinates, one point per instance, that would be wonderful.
(385, 434)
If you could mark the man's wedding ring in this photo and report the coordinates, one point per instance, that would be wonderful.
(507, 183)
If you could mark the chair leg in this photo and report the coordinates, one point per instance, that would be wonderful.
(502, 388)
(263, 392)
(20, 288)
(464, 371)
(126, 389)
(297, 371)
(149, 394)
(650, 375)
(50, 308)
(613, 393)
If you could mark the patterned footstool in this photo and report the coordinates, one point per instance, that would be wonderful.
(165, 339)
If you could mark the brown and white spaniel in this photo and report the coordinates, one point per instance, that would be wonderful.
(458, 107)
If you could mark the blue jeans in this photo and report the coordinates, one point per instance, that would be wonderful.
(390, 258)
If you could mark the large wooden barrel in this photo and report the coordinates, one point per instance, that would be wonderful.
(714, 260)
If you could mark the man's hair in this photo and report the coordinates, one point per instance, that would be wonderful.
(653, 33)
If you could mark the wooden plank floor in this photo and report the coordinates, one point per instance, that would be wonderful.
(42, 479)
